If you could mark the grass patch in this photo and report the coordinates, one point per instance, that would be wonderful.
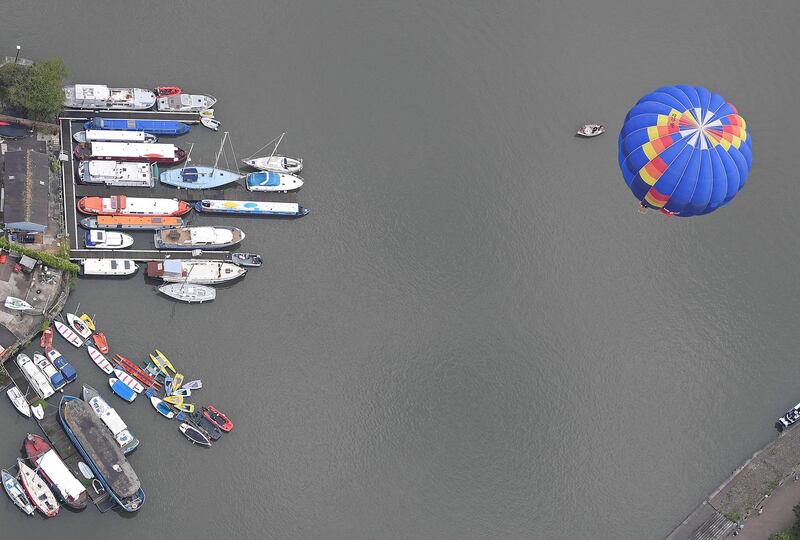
(53, 261)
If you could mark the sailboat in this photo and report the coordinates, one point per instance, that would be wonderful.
(17, 304)
(273, 162)
(201, 177)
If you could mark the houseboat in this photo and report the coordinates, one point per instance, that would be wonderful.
(141, 223)
(165, 154)
(198, 237)
(251, 207)
(121, 205)
(100, 96)
(194, 271)
(185, 102)
(108, 267)
(161, 128)
(119, 430)
(113, 135)
(101, 453)
(117, 173)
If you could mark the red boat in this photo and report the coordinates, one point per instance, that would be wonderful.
(101, 342)
(46, 341)
(50, 467)
(136, 372)
(163, 91)
(219, 419)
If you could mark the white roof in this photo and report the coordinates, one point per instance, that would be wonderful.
(92, 91)
(108, 266)
(114, 135)
(113, 421)
(58, 473)
(210, 234)
(133, 150)
(103, 168)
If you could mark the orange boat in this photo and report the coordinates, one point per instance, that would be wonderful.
(163, 91)
(144, 223)
(120, 205)
(101, 342)
(46, 341)
(138, 373)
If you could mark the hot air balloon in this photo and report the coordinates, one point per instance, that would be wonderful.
(684, 150)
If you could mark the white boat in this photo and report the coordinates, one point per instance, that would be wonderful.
(185, 103)
(111, 135)
(19, 401)
(256, 208)
(194, 271)
(50, 466)
(100, 360)
(272, 181)
(17, 304)
(198, 237)
(280, 164)
(38, 381)
(57, 380)
(122, 205)
(126, 441)
(128, 379)
(108, 267)
(79, 326)
(117, 173)
(16, 493)
(189, 292)
(211, 123)
(591, 130)
(168, 154)
(38, 493)
(100, 239)
(38, 411)
(100, 96)
(67, 333)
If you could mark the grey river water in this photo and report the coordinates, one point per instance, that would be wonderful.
(474, 334)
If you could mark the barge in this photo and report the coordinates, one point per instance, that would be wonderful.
(165, 154)
(140, 223)
(251, 208)
(154, 127)
(121, 205)
(112, 135)
(100, 96)
(117, 173)
(191, 271)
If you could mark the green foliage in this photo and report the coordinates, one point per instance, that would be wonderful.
(791, 534)
(46, 258)
(36, 90)
(55, 166)
(733, 516)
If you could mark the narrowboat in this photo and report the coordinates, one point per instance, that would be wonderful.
(100, 96)
(141, 223)
(113, 135)
(121, 205)
(198, 237)
(108, 267)
(165, 154)
(155, 127)
(251, 208)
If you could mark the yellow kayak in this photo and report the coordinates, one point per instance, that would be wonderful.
(89, 322)
(162, 362)
(175, 400)
(177, 381)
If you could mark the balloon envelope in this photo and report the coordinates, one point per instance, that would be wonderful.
(684, 150)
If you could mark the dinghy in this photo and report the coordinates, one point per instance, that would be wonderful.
(19, 401)
(17, 304)
(100, 360)
(122, 390)
(16, 493)
(141, 375)
(129, 380)
(185, 407)
(218, 418)
(80, 327)
(162, 91)
(85, 470)
(272, 181)
(247, 259)
(211, 123)
(160, 406)
(38, 493)
(174, 400)
(46, 341)
(88, 321)
(162, 362)
(68, 334)
(101, 342)
(182, 392)
(279, 164)
(194, 385)
(200, 421)
(591, 130)
(188, 292)
(177, 381)
(38, 411)
(195, 435)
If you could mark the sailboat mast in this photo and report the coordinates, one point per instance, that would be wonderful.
(188, 158)
(219, 152)
(277, 143)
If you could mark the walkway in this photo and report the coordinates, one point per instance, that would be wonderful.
(778, 513)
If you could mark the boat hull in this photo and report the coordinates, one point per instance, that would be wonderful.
(251, 208)
(198, 238)
(198, 177)
(155, 127)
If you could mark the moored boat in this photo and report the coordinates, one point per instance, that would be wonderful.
(102, 343)
(111, 135)
(101, 453)
(88, 321)
(46, 340)
(129, 380)
(122, 390)
(57, 380)
(155, 127)
(182, 392)
(194, 271)
(185, 102)
(261, 208)
(788, 419)
(247, 259)
(108, 267)
(62, 364)
(117, 173)
(122, 205)
(200, 421)
(17, 304)
(16, 493)
(38, 380)
(100, 239)
(165, 154)
(100, 360)
(195, 435)
(100, 96)
(52, 469)
(198, 177)
(189, 292)
(196, 384)
(279, 164)
(79, 326)
(37, 491)
(10, 131)
(210, 122)
(222, 421)
(18, 401)
(198, 237)
(138, 373)
(272, 181)
(133, 223)
(162, 91)
(161, 406)
(162, 362)
(185, 407)
(67, 333)
(119, 430)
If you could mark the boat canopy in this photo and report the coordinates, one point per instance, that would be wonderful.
(263, 178)
(58, 473)
(211, 235)
(92, 92)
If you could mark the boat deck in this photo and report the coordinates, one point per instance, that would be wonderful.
(52, 429)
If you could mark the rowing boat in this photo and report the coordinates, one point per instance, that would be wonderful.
(68, 334)
(99, 359)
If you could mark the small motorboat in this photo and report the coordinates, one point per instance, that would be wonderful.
(195, 435)
(17, 304)
(211, 123)
(79, 326)
(279, 164)
(206, 425)
(185, 102)
(193, 385)
(37, 491)
(89, 322)
(19, 401)
(100, 360)
(37, 409)
(247, 259)
(272, 181)
(68, 334)
(218, 418)
(162, 91)
(62, 364)
(101, 342)
(788, 419)
(46, 341)
(189, 292)
(16, 493)
(129, 381)
(182, 392)
(57, 380)
(122, 390)
(160, 406)
(591, 130)
(99, 239)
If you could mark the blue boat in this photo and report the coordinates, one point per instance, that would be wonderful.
(66, 369)
(154, 127)
(101, 453)
(198, 177)
(121, 389)
(258, 208)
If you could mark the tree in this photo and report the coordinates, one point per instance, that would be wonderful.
(35, 90)
(781, 536)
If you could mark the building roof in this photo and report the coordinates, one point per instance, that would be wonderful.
(26, 175)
